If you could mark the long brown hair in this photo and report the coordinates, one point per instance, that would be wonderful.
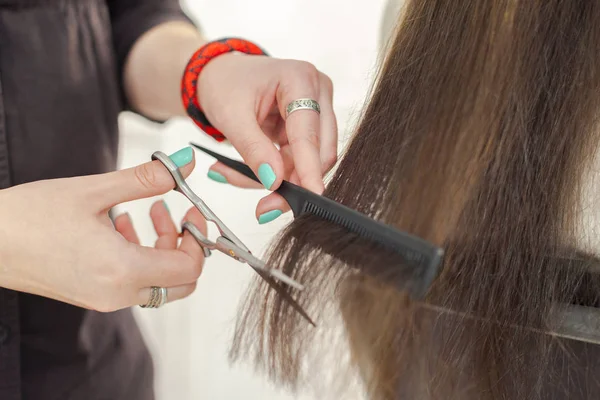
(478, 135)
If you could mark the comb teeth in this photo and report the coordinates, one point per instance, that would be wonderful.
(424, 257)
(337, 219)
(408, 254)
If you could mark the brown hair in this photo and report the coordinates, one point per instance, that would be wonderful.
(478, 135)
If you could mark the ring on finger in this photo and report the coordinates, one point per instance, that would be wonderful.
(302, 104)
(157, 299)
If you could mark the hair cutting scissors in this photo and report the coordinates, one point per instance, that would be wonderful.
(228, 243)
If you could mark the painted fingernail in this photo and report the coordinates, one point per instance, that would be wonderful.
(183, 156)
(166, 207)
(269, 216)
(217, 177)
(266, 175)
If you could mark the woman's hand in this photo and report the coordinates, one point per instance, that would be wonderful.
(57, 241)
(245, 97)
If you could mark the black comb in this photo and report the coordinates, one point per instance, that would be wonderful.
(423, 255)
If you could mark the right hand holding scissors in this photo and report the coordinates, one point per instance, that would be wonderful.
(57, 241)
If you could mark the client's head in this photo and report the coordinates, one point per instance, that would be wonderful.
(478, 136)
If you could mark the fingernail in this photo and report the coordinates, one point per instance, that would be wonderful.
(267, 176)
(183, 156)
(166, 207)
(125, 214)
(217, 177)
(269, 216)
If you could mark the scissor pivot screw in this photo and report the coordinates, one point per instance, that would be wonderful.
(232, 253)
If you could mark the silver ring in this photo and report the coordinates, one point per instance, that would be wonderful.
(302, 104)
(158, 297)
(163, 296)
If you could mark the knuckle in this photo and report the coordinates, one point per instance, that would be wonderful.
(146, 176)
(119, 274)
(306, 73)
(330, 161)
(189, 289)
(327, 83)
(113, 276)
(252, 149)
(192, 269)
(310, 136)
(197, 267)
(312, 182)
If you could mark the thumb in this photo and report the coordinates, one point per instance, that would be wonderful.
(259, 153)
(145, 180)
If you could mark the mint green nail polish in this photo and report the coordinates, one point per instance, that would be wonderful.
(217, 177)
(267, 176)
(269, 216)
(183, 156)
(166, 207)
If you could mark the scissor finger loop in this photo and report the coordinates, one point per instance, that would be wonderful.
(202, 240)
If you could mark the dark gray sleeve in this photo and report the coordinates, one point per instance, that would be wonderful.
(130, 19)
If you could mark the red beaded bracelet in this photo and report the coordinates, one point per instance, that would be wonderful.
(189, 82)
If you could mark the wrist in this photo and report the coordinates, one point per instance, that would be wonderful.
(191, 77)
(206, 77)
(152, 72)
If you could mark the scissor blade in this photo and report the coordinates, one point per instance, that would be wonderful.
(267, 274)
(258, 264)
(285, 295)
(275, 273)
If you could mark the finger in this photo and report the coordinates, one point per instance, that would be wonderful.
(189, 245)
(164, 226)
(303, 126)
(221, 173)
(145, 180)
(163, 267)
(258, 151)
(124, 226)
(329, 129)
(274, 205)
(166, 243)
(288, 161)
(167, 267)
(270, 208)
(173, 293)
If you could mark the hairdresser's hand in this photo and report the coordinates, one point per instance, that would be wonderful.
(57, 241)
(245, 97)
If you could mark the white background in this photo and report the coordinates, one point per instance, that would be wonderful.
(189, 339)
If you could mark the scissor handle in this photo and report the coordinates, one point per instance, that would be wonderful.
(204, 242)
(227, 243)
(182, 187)
(222, 244)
